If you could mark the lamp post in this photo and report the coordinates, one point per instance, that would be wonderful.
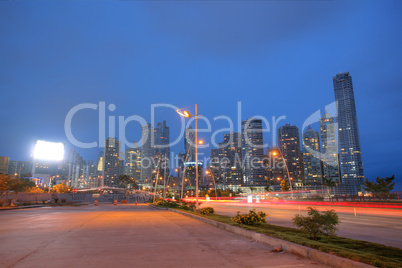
(187, 114)
(156, 183)
(213, 179)
(287, 170)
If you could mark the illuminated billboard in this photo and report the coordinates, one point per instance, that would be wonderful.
(46, 150)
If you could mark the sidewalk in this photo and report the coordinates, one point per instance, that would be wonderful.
(128, 235)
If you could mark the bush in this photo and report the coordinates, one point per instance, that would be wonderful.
(316, 223)
(251, 218)
(207, 210)
(176, 204)
(63, 200)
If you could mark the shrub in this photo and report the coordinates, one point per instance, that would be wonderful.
(251, 218)
(55, 200)
(316, 223)
(207, 210)
(63, 200)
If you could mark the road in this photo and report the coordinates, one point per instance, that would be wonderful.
(125, 236)
(378, 225)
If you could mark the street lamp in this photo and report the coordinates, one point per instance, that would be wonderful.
(213, 178)
(188, 115)
(274, 153)
(156, 182)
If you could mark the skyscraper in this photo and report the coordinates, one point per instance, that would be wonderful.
(111, 162)
(230, 153)
(311, 158)
(162, 139)
(147, 154)
(351, 164)
(133, 162)
(289, 144)
(4, 161)
(329, 148)
(21, 168)
(253, 153)
(162, 148)
(99, 164)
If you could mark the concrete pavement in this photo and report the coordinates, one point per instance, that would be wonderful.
(126, 235)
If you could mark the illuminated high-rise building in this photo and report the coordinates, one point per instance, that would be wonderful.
(99, 164)
(162, 147)
(230, 158)
(133, 162)
(20, 168)
(289, 145)
(350, 156)
(111, 162)
(329, 148)
(311, 158)
(252, 153)
(4, 161)
(147, 154)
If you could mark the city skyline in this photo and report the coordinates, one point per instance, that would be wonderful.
(158, 141)
(146, 54)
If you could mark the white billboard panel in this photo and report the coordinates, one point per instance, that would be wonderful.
(46, 150)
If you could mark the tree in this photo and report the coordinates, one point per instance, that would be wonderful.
(5, 183)
(127, 182)
(316, 223)
(36, 191)
(285, 186)
(382, 187)
(61, 189)
(328, 182)
(20, 185)
(252, 189)
(268, 188)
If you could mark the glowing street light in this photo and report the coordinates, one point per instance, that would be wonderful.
(213, 178)
(188, 115)
(275, 153)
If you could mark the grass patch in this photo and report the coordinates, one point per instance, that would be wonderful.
(367, 252)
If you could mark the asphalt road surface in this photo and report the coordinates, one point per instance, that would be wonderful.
(126, 236)
(378, 225)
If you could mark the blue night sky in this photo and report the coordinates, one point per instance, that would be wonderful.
(275, 57)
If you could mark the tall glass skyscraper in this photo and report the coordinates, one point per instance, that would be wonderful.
(133, 162)
(111, 162)
(230, 154)
(162, 148)
(162, 139)
(253, 153)
(311, 157)
(329, 147)
(289, 144)
(147, 154)
(350, 156)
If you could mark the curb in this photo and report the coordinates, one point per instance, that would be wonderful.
(310, 253)
(158, 208)
(13, 208)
